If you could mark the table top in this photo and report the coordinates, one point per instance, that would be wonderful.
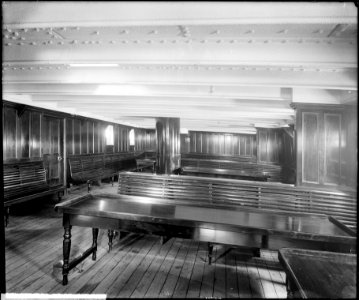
(255, 220)
(321, 274)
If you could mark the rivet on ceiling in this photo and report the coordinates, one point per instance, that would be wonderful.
(50, 42)
(13, 37)
(232, 41)
(215, 32)
(153, 32)
(113, 42)
(249, 31)
(124, 41)
(124, 31)
(60, 43)
(33, 43)
(218, 41)
(24, 29)
(37, 29)
(6, 36)
(162, 41)
(97, 32)
(16, 33)
(174, 41)
(74, 42)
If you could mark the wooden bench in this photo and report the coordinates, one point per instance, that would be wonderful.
(25, 180)
(228, 192)
(146, 163)
(231, 169)
(91, 168)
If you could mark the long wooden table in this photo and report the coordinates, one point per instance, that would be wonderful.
(240, 226)
(319, 274)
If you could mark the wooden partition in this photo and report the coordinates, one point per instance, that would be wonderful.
(219, 143)
(326, 145)
(145, 139)
(34, 133)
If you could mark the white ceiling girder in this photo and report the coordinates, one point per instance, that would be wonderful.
(141, 13)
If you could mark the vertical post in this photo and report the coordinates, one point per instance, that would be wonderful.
(66, 249)
(210, 253)
(168, 145)
(94, 242)
(110, 238)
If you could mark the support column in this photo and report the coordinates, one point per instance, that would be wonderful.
(168, 145)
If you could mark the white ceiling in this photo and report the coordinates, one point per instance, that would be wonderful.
(219, 66)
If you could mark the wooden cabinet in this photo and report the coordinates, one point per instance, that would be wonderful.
(325, 145)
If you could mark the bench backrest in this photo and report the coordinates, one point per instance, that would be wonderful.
(90, 166)
(217, 191)
(241, 158)
(23, 178)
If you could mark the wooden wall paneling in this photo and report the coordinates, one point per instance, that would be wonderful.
(332, 147)
(69, 136)
(227, 144)
(90, 137)
(198, 142)
(45, 135)
(242, 145)
(84, 133)
(349, 162)
(254, 145)
(9, 132)
(310, 147)
(248, 145)
(204, 138)
(235, 144)
(25, 134)
(96, 137)
(77, 136)
(262, 145)
(192, 136)
(220, 144)
(35, 134)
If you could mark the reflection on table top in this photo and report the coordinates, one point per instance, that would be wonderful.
(148, 209)
(321, 274)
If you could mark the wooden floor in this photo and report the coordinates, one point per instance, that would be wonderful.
(138, 266)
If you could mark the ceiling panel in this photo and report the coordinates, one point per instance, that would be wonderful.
(225, 66)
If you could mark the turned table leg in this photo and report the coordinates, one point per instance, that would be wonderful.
(94, 242)
(210, 253)
(111, 234)
(66, 253)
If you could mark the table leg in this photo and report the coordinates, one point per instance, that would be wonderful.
(7, 213)
(111, 233)
(66, 253)
(210, 253)
(94, 242)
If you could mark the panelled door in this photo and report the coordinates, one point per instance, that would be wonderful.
(52, 149)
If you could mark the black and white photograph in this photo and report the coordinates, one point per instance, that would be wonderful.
(179, 149)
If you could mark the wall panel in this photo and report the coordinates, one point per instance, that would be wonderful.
(35, 134)
(77, 136)
(9, 132)
(332, 155)
(84, 134)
